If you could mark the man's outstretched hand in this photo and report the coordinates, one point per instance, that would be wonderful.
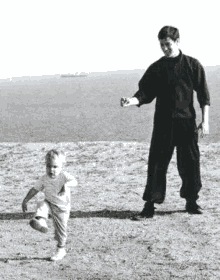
(125, 101)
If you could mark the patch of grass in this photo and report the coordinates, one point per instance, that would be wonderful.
(103, 242)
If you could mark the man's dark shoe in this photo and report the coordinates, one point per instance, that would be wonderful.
(193, 208)
(146, 213)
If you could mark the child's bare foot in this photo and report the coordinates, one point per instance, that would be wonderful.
(60, 254)
(39, 224)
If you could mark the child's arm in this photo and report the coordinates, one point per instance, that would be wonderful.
(72, 183)
(32, 192)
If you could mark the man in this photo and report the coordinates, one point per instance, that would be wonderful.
(171, 80)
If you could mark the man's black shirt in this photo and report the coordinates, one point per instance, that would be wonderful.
(172, 82)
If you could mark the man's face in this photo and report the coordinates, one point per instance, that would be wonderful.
(54, 167)
(169, 47)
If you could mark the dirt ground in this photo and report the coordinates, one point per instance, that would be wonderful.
(103, 243)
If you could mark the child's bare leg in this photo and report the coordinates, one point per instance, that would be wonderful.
(39, 221)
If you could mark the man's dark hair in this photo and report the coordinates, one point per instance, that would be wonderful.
(169, 31)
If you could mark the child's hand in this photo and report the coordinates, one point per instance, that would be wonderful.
(62, 191)
(24, 206)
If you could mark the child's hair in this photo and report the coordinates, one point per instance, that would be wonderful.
(55, 152)
(169, 31)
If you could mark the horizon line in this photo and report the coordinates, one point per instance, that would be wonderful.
(86, 74)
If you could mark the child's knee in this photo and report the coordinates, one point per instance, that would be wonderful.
(42, 209)
(40, 204)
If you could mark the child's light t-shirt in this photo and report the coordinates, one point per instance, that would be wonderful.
(51, 188)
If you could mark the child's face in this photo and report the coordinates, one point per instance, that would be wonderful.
(54, 167)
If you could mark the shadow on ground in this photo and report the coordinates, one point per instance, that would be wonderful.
(25, 259)
(91, 214)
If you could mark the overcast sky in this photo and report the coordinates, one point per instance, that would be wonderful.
(46, 37)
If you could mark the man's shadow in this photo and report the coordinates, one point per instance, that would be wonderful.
(105, 213)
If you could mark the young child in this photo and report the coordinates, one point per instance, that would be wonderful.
(56, 185)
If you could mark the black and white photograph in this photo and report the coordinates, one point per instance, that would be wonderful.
(110, 140)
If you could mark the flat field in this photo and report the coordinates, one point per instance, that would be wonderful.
(103, 242)
(107, 148)
(84, 109)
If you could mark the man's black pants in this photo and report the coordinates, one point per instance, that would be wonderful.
(183, 134)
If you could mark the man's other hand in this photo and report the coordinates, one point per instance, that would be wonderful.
(204, 126)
